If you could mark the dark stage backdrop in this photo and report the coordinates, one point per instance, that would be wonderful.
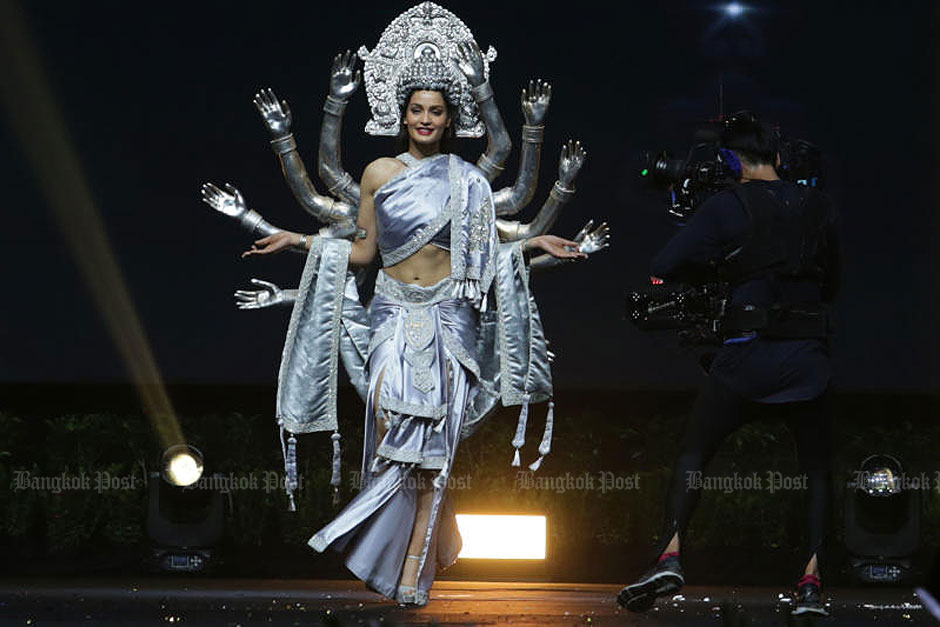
(157, 98)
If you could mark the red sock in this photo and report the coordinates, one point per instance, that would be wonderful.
(667, 556)
(813, 579)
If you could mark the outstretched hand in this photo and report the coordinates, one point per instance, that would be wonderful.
(535, 101)
(269, 294)
(572, 158)
(557, 247)
(275, 113)
(590, 241)
(230, 202)
(280, 241)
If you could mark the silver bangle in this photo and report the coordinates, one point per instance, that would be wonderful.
(334, 106)
(282, 145)
(341, 185)
(532, 134)
(483, 91)
(487, 164)
(303, 241)
(561, 193)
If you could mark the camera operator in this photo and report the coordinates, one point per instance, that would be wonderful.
(773, 242)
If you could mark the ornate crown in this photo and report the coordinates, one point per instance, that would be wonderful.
(417, 51)
(428, 72)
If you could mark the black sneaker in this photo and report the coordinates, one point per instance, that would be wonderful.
(662, 579)
(808, 600)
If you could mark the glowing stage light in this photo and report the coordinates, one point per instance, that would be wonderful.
(182, 465)
(734, 9)
(502, 537)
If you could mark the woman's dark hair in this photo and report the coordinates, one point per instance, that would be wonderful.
(754, 141)
(450, 133)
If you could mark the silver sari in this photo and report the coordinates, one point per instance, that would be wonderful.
(435, 359)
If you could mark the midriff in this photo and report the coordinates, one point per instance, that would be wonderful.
(426, 267)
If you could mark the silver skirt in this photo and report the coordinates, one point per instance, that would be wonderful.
(423, 372)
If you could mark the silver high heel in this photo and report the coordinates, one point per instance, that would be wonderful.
(408, 595)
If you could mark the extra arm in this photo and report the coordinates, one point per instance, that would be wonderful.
(232, 204)
(572, 158)
(589, 242)
(268, 296)
(535, 100)
(277, 117)
(470, 61)
(344, 80)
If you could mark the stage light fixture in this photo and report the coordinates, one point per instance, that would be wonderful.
(185, 516)
(882, 520)
(182, 465)
(503, 537)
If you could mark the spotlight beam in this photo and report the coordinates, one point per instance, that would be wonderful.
(36, 120)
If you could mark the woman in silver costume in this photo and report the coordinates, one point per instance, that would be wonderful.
(423, 372)
(452, 329)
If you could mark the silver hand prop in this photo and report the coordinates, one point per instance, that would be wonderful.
(277, 117)
(590, 241)
(572, 158)
(275, 113)
(344, 81)
(268, 296)
(344, 77)
(231, 203)
(469, 61)
(535, 101)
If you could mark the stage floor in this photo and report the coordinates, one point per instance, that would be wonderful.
(172, 601)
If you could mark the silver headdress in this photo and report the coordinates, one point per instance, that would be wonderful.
(418, 50)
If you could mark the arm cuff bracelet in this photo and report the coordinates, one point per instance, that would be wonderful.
(334, 106)
(284, 144)
(561, 193)
(488, 165)
(343, 182)
(482, 92)
(532, 134)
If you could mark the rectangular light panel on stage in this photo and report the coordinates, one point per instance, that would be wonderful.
(502, 537)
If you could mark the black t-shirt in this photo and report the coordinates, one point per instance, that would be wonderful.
(767, 371)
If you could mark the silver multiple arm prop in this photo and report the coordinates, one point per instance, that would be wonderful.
(268, 296)
(277, 117)
(572, 158)
(470, 62)
(589, 239)
(344, 81)
(535, 100)
(232, 204)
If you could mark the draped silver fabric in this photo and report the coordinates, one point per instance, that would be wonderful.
(415, 205)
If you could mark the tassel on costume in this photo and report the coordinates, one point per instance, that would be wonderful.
(546, 444)
(519, 438)
(335, 477)
(290, 467)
